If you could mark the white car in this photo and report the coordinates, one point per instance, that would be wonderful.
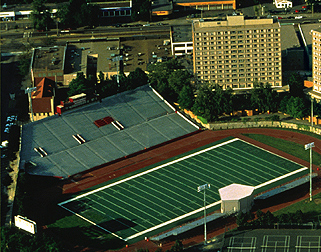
(298, 17)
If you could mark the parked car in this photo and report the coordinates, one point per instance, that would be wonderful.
(298, 17)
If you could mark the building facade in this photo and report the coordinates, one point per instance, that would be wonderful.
(316, 60)
(235, 52)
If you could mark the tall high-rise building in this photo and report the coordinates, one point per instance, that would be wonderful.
(316, 59)
(236, 52)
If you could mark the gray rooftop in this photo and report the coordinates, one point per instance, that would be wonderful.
(182, 33)
(289, 38)
(146, 118)
(306, 30)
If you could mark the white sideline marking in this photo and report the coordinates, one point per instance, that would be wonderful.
(281, 177)
(188, 120)
(169, 105)
(148, 171)
(93, 223)
(159, 167)
(171, 221)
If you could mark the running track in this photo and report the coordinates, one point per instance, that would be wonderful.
(202, 138)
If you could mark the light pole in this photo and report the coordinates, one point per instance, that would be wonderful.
(200, 189)
(117, 59)
(311, 112)
(309, 146)
(29, 91)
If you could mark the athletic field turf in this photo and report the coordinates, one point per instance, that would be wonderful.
(159, 197)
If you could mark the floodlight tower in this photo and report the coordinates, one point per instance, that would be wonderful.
(200, 189)
(309, 146)
(29, 91)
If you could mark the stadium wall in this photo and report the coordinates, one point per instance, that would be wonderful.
(263, 124)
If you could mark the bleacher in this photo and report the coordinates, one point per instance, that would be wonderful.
(100, 132)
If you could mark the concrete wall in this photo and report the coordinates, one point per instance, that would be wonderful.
(263, 124)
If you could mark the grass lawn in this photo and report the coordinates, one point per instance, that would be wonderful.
(292, 148)
(311, 209)
(74, 230)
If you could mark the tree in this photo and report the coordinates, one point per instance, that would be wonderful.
(296, 85)
(40, 15)
(178, 79)
(204, 105)
(211, 102)
(296, 107)
(186, 97)
(24, 63)
(263, 97)
(82, 85)
(78, 13)
(141, 10)
(136, 79)
(159, 77)
(13, 240)
(177, 247)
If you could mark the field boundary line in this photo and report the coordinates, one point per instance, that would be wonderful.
(172, 221)
(148, 171)
(93, 223)
(281, 177)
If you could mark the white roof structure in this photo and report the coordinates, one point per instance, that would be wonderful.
(235, 192)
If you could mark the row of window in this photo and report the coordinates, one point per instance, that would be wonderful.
(257, 73)
(241, 55)
(237, 44)
(220, 40)
(241, 63)
(239, 79)
(230, 50)
(238, 69)
(269, 35)
(237, 32)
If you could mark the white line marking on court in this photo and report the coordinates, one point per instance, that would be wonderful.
(148, 171)
(93, 223)
(281, 177)
(172, 221)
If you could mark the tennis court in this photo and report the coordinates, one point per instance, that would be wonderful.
(159, 197)
(274, 240)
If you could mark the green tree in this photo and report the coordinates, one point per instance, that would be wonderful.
(296, 107)
(159, 74)
(141, 10)
(263, 97)
(64, 17)
(24, 60)
(78, 13)
(13, 240)
(82, 85)
(177, 247)
(212, 102)
(40, 15)
(136, 79)
(186, 97)
(109, 87)
(296, 84)
(178, 79)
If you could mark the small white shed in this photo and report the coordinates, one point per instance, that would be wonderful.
(283, 4)
(236, 198)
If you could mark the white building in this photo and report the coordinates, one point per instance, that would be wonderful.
(283, 4)
(236, 198)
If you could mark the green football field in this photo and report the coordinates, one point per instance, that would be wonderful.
(165, 195)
